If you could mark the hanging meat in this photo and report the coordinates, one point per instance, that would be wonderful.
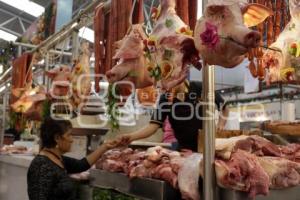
(80, 77)
(224, 42)
(283, 65)
(168, 51)
(61, 81)
(110, 28)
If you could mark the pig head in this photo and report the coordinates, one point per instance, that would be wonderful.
(131, 64)
(284, 66)
(171, 46)
(162, 58)
(60, 76)
(221, 34)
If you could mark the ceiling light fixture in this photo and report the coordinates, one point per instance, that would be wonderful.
(26, 6)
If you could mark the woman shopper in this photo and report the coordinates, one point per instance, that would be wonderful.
(47, 177)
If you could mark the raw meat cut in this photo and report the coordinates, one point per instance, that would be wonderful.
(252, 144)
(156, 162)
(283, 173)
(242, 172)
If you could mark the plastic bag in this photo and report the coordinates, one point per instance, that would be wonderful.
(188, 177)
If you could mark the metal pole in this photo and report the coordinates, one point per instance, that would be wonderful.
(3, 118)
(19, 51)
(209, 128)
(45, 78)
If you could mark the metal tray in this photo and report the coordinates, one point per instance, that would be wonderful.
(285, 194)
(141, 188)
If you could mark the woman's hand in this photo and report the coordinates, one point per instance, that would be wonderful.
(110, 144)
(124, 139)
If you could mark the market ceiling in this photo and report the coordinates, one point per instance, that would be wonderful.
(16, 21)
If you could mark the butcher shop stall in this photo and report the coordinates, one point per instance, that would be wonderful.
(150, 99)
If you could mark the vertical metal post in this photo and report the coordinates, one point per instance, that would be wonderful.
(5, 100)
(45, 78)
(209, 128)
(19, 50)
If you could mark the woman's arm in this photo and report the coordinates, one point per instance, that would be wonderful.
(76, 166)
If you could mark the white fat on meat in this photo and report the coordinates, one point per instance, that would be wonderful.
(188, 177)
(283, 173)
(242, 172)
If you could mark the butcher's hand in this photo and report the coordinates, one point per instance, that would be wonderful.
(110, 144)
(124, 139)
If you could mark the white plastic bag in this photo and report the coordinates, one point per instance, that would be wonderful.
(188, 177)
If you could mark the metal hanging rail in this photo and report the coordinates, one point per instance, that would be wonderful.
(34, 46)
(74, 25)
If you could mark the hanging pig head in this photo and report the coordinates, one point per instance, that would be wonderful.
(163, 56)
(131, 61)
(60, 76)
(284, 66)
(221, 34)
(171, 47)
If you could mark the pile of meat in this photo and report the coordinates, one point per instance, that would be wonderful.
(253, 164)
(12, 149)
(181, 170)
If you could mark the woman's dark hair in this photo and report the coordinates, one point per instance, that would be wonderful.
(52, 128)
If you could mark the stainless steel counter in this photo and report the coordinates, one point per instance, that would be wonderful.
(13, 176)
(285, 194)
(141, 188)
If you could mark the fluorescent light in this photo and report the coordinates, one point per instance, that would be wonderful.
(199, 13)
(87, 34)
(7, 36)
(26, 6)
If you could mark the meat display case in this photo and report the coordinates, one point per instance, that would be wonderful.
(288, 194)
(141, 188)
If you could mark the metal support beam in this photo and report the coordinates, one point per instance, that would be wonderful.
(10, 31)
(8, 21)
(21, 24)
(14, 15)
(51, 51)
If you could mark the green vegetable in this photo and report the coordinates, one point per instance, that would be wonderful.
(112, 108)
(104, 194)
